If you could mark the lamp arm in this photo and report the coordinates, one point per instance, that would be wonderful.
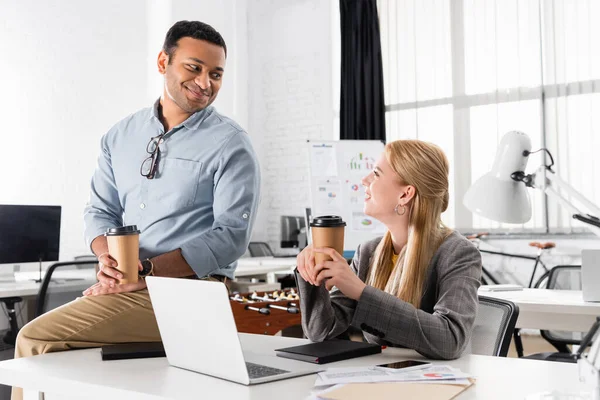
(556, 180)
(551, 184)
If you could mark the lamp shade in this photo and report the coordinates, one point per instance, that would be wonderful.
(496, 195)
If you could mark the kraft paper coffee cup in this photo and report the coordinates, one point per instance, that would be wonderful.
(327, 231)
(124, 247)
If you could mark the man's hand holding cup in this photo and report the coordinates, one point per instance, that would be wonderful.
(120, 266)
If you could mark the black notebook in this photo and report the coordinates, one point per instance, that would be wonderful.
(329, 351)
(132, 350)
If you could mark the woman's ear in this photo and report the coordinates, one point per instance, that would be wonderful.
(407, 194)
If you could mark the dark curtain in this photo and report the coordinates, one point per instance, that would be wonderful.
(362, 108)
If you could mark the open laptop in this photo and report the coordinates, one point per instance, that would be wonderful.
(199, 334)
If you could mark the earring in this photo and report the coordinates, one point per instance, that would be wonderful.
(403, 209)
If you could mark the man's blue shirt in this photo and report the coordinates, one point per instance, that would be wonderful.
(203, 198)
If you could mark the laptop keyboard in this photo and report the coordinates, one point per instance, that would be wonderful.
(260, 371)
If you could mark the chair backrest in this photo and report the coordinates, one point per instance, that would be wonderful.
(64, 282)
(564, 277)
(85, 257)
(494, 327)
(260, 249)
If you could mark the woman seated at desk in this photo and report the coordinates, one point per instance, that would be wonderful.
(417, 286)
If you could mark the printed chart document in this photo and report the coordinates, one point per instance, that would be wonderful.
(438, 382)
(439, 374)
(323, 160)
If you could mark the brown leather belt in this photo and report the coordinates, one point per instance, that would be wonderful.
(220, 278)
(215, 278)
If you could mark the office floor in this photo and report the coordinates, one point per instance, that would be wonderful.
(531, 344)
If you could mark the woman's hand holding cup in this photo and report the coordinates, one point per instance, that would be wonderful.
(306, 264)
(327, 232)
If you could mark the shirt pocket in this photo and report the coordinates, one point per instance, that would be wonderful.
(176, 184)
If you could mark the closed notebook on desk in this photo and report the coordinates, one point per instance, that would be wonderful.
(329, 351)
(132, 350)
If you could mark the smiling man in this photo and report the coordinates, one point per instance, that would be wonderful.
(186, 176)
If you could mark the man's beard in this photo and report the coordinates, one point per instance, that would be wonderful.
(181, 100)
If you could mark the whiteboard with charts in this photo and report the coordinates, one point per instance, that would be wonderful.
(336, 170)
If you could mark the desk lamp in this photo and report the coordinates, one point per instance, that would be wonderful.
(501, 194)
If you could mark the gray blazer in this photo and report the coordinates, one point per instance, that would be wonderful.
(441, 328)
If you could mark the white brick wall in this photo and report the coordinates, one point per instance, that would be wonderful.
(290, 89)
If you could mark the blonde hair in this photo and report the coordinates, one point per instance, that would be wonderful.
(424, 166)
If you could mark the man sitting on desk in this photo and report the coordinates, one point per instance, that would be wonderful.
(194, 199)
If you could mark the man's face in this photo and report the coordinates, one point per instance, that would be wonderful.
(193, 73)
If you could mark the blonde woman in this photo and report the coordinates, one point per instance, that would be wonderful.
(417, 286)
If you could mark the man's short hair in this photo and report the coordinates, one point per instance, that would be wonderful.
(194, 29)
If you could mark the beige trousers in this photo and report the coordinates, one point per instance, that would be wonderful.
(89, 322)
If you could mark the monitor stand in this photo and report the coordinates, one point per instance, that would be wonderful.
(39, 280)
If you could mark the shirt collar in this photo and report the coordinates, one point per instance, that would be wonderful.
(193, 121)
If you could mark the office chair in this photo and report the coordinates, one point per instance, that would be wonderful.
(494, 326)
(85, 257)
(53, 292)
(10, 337)
(260, 249)
(561, 277)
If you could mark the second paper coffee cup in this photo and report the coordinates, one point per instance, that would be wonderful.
(124, 247)
(327, 231)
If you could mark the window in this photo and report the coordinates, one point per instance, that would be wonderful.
(462, 73)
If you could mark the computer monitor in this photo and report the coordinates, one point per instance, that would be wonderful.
(29, 233)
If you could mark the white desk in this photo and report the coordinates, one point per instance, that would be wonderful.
(82, 374)
(70, 274)
(551, 309)
(31, 288)
(20, 289)
(267, 266)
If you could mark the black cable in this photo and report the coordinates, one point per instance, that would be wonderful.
(520, 176)
(528, 179)
(526, 153)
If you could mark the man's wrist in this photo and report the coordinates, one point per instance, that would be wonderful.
(148, 268)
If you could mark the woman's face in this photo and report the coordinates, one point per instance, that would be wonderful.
(382, 191)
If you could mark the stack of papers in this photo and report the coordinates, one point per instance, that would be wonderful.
(433, 374)
(503, 287)
(441, 381)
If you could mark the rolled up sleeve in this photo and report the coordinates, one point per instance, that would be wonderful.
(236, 196)
(326, 315)
(104, 209)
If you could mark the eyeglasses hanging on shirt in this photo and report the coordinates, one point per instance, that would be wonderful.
(150, 164)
